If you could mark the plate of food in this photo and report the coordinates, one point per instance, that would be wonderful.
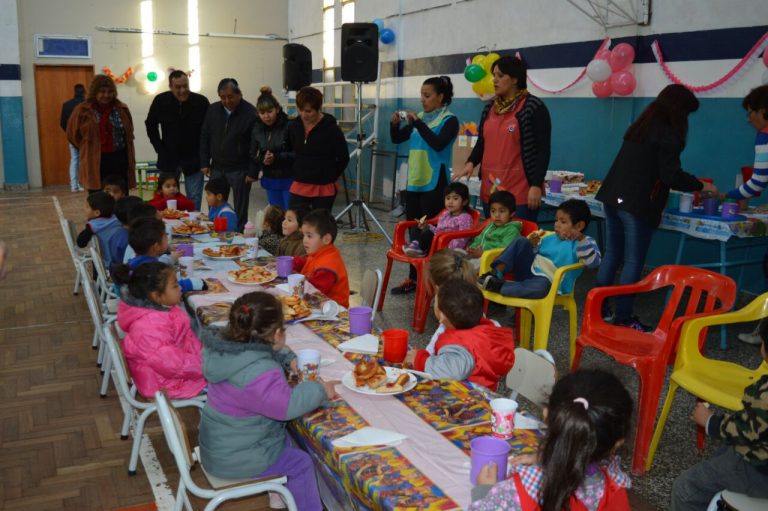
(294, 307)
(191, 228)
(252, 276)
(369, 377)
(225, 252)
(173, 214)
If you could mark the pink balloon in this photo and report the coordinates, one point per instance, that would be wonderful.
(765, 57)
(623, 83)
(603, 55)
(621, 56)
(602, 89)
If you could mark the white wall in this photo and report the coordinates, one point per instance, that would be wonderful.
(252, 62)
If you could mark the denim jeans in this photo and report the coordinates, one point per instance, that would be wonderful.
(521, 211)
(278, 198)
(518, 258)
(74, 165)
(627, 242)
(241, 193)
(193, 185)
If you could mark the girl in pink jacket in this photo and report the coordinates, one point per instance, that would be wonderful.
(160, 347)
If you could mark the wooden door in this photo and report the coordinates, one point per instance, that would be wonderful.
(53, 86)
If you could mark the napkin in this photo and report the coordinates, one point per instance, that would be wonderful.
(284, 288)
(525, 422)
(369, 436)
(367, 343)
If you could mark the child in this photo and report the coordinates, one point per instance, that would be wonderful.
(456, 217)
(168, 189)
(99, 207)
(143, 210)
(119, 242)
(272, 228)
(741, 463)
(500, 232)
(323, 265)
(160, 347)
(471, 347)
(242, 428)
(588, 417)
(292, 243)
(534, 260)
(216, 194)
(115, 186)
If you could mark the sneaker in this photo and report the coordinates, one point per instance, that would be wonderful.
(405, 287)
(492, 283)
(607, 314)
(413, 249)
(635, 324)
(751, 338)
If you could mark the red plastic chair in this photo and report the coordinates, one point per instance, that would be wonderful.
(396, 254)
(650, 353)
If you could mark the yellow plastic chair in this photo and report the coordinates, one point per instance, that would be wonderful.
(715, 381)
(538, 310)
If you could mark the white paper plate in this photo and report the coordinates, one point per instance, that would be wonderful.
(348, 380)
(235, 281)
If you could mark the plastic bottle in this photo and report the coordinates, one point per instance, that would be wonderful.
(249, 231)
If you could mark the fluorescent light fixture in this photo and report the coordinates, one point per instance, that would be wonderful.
(193, 29)
(266, 37)
(147, 43)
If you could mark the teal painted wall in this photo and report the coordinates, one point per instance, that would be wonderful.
(14, 152)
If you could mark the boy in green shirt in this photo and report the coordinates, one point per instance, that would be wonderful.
(500, 232)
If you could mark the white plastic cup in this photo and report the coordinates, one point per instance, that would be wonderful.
(172, 203)
(503, 417)
(330, 309)
(296, 284)
(308, 364)
(686, 203)
(168, 231)
(186, 262)
(194, 215)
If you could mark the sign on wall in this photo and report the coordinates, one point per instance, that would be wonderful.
(62, 46)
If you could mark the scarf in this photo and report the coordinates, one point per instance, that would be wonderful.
(105, 127)
(502, 106)
(428, 117)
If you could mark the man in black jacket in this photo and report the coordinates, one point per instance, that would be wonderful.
(180, 113)
(74, 153)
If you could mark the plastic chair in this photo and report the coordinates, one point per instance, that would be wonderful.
(370, 291)
(698, 290)
(125, 386)
(76, 253)
(186, 458)
(737, 501)
(715, 381)
(532, 377)
(539, 310)
(396, 254)
(106, 294)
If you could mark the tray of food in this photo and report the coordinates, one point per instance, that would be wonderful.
(369, 377)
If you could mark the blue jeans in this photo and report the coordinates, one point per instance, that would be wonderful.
(517, 258)
(74, 165)
(193, 185)
(627, 242)
(277, 191)
(521, 211)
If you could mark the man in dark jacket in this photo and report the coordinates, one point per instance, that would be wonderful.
(74, 154)
(180, 114)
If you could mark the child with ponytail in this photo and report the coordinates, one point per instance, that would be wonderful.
(576, 468)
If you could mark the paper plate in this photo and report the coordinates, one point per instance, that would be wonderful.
(348, 380)
(235, 281)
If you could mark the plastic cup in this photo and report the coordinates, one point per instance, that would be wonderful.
(395, 345)
(308, 363)
(186, 262)
(296, 284)
(729, 210)
(685, 204)
(171, 203)
(360, 320)
(186, 249)
(673, 201)
(555, 185)
(168, 231)
(710, 206)
(485, 450)
(194, 215)
(284, 266)
(697, 196)
(503, 417)
(746, 173)
(330, 309)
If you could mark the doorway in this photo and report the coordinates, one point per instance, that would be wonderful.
(53, 86)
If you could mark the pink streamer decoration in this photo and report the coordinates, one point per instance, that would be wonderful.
(606, 42)
(760, 45)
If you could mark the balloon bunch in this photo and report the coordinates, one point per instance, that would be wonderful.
(478, 72)
(610, 72)
(386, 35)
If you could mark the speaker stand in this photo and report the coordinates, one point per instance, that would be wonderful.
(361, 208)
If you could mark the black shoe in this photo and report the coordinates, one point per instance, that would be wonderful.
(492, 283)
(405, 287)
(635, 324)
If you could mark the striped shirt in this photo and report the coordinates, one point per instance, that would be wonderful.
(759, 179)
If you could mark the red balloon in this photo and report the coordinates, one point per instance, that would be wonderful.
(603, 55)
(765, 57)
(602, 89)
(623, 83)
(621, 56)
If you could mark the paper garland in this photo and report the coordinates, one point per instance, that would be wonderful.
(606, 42)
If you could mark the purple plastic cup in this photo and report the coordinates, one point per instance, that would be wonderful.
(185, 249)
(555, 185)
(729, 210)
(360, 320)
(485, 450)
(710, 206)
(284, 266)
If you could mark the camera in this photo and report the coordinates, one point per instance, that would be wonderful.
(403, 115)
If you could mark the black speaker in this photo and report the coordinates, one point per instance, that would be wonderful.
(297, 66)
(359, 52)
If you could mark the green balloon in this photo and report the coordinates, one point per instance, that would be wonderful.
(152, 76)
(474, 73)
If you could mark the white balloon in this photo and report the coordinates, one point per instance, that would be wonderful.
(765, 77)
(599, 70)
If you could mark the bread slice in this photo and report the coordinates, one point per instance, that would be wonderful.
(377, 381)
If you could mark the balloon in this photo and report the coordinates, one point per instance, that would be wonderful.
(621, 56)
(623, 83)
(152, 76)
(765, 57)
(474, 73)
(479, 60)
(598, 70)
(486, 84)
(602, 89)
(603, 55)
(489, 60)
(387, 36)
(379, 23)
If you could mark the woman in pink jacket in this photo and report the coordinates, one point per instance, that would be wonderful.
(160, 347)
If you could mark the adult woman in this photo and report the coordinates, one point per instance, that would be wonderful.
(268, 160)
(430, 134)
(101, 128)
(320, 153)
(513, 143)
(635, 191)
(225, 139)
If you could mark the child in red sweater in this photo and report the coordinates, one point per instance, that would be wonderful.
(168, 189)
(472, 347)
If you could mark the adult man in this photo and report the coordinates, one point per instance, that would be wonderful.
(180, 114)
(74, 154)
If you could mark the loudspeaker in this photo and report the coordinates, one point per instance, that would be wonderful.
(359, 52)
(297, 66)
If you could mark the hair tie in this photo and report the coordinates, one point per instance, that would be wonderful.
(583, 402)
(457, 261)
(245, 308)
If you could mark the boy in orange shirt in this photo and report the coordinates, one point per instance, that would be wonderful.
(323, 265)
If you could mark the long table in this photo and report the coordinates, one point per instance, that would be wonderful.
(428, 470)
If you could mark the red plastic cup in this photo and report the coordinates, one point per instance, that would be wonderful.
(220, 224)
(395, 345)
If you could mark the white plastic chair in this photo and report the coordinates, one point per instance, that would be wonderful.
(76, 253)
(99, 318)
(370, 291)
(532, 376)
(186, 457)
(125, 386)
(737, 501)
(106, 294)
